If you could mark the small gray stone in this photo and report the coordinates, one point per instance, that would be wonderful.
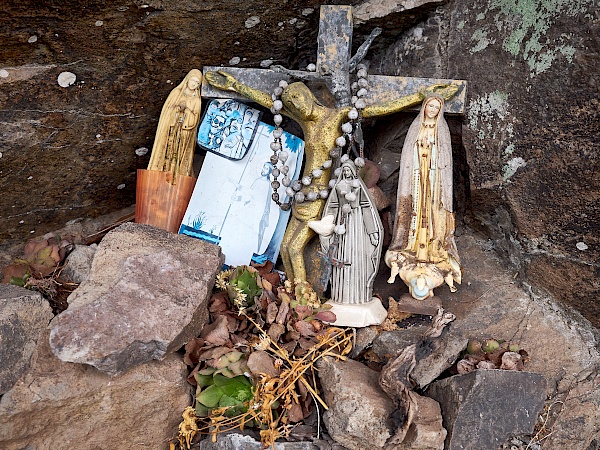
(79, 263)
(358, 409)
(484, 408)
(24, 314)
(389, 343)
(363, 339)
(434, 355)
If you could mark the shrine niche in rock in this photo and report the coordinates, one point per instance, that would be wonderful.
(332, 131)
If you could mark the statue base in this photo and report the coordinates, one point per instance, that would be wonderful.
(427, 307)
(159, 202)
(358, 316)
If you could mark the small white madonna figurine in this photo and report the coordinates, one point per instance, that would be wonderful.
(423, 251)
(351, 233)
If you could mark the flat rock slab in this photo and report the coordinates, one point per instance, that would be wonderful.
(484, 408)
(58, 405)
(24, 314)
(145, 297)
(359, 410)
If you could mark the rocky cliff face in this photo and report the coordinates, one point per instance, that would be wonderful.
(526, 154)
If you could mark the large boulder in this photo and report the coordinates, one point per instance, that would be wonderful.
(24, 315)
(58, 405)
(484, 408)
(146, 296)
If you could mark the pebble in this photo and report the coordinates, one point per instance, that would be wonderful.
(581, 246)
(32, 39)
(66, 79)
(99, 23)
(3, 73)
(234, 61)
(141, 151)
(121, 186)
(252, 21)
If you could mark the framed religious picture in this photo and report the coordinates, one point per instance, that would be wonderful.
(232, 206)
(228, 128)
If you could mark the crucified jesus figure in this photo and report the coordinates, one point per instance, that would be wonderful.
(321, 126)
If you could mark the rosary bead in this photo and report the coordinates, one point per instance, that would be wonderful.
(354, 99)
(311, 196)
(327, 164)
(275, 146)
(277, 132)
(283, 84)
(354, 86)
(347, 127)
(299, 197)
(285, 206)
(273, 159)
(277, 105)
(275, 184)
(323, 193)
(363, 83)
(283, 156)
(360, 103)
(317, 173)
(336, 172)
(332, 183)
(339, 229)
(306, 180)
(289, 191)
(286, 181)
(285, 169)
(353, 114)
(340, 141)
(275, 197)
(361, 66)
(278, 91)
(277, 118)
(350, 196)
(355, 183)
(344, 158)
(362, 73)
(296, 185)
(275, 173)
(311, 67)
(361, 92)
(359, 162)
(346, 208)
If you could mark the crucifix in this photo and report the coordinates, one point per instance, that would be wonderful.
(322, 119)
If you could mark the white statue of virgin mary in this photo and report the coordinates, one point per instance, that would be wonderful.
(423, 251)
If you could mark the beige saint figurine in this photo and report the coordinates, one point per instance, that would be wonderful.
(423, 251)
(164, 190)
(175, 140)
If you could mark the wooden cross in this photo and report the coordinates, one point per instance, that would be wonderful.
(333, 69)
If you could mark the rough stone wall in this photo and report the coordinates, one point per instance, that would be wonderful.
(530, 137)
(526, 154)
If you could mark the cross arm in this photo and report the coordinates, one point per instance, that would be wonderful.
(227, 82)
(362, 50)
(387, 94)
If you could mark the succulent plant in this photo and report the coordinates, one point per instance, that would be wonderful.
(217, 391)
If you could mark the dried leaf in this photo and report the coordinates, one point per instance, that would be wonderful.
(511, 361)
(192, 351)
(260, 361)
(216, 333)
(272, 311)
(219, 303)
(306, 343)
(326, 316)
(303, 311)
(275, 331)
(304, 328)
(284, 309)
(14, 270)
(213, 353)
(295, 413)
